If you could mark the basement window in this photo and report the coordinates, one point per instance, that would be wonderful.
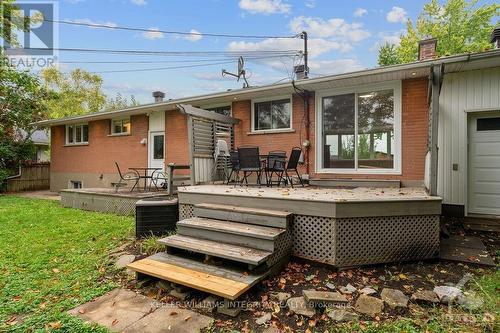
(120, 126)
(77, 134)
(75, 184)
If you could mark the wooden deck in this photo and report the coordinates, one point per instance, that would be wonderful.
(342, 227)
(314, 201)
(106, 200)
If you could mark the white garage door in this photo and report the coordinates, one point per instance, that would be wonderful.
(484, 165)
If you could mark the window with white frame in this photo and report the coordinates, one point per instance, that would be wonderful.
(360, 130)
(224, 110)
(272, 115)
(120, 126)
(77, 134)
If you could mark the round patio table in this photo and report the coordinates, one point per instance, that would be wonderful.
(146, 175)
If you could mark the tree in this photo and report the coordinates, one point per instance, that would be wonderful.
(120, 102)
(78, 92)
(22, 102)
(460, 26)
(387, 55)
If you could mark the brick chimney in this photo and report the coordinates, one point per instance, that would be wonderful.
(158, 95)
(495, 38)
(427, 49)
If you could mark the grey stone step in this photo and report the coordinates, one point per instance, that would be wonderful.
(254, 236)
(217, 249)
(257, 216)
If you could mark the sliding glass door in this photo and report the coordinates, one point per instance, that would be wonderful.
(360, 130)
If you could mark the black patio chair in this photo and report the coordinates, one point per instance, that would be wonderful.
(249, 159)
(275, 164)
(234, 164)
(292, 165)
(126, 177)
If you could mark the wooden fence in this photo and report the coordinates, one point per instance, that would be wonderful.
(33, 177)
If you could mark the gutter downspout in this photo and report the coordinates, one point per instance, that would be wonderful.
(19, 173)
(305, 94)
(436, 82)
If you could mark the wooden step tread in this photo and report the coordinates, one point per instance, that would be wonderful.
(191, 273)
(237, 228)
(245, 210)
(217, 249)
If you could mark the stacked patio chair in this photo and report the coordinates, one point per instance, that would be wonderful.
(126, 177)
(249, 160)
(221, 158)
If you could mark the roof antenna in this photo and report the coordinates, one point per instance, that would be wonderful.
(241, 73)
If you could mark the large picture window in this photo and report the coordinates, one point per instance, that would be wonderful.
(272, 115)
(359, 130)
(77, 134)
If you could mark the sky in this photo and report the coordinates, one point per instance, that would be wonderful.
(343, 36)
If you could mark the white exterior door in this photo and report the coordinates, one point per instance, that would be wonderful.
(156, 140)
(484, 165)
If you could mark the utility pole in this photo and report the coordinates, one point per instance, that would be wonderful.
(306, 67)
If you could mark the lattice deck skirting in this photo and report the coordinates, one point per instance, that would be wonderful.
(344, 242)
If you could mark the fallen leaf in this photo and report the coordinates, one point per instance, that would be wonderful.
(403, 277)
(173, 313)
(55, 270)
(114, 322)
(187, 318)
(55, 325)
(310, 277)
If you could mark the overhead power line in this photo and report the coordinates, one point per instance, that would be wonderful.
(160, 68)
(171, 61)
(173, 32)
(174, 53)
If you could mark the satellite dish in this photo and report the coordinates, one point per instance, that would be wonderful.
(241, 65)
(241, 72)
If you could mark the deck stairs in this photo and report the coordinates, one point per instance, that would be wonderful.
(223, 250)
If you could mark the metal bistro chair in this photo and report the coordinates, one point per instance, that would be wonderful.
(234, 164)
(126, 177)
(249, 159)
(159, 180)
(275, 163)
(293, 163)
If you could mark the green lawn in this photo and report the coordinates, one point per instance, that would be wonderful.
(53, 259)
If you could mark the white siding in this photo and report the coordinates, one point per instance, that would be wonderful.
(461, 93)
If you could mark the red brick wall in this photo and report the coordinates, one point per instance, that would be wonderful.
(103, 150)
(177, 150)
(414, 133)
(270, 141)
(414, 127)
